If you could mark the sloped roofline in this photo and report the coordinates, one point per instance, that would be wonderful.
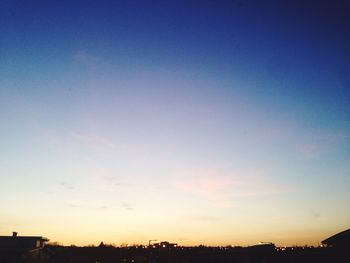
(340, 235)
(25, 237)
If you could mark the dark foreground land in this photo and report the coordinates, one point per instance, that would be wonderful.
(106, 254)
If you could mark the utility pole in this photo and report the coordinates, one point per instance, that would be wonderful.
(150, 250)
(149, 241)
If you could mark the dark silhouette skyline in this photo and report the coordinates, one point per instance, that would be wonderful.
(32, 249)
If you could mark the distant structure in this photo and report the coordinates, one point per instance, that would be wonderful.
(164, 244)
(16, 242)
(150, 241)
(21, 246)
(262, 247)
(340, 240)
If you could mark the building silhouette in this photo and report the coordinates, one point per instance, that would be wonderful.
(340, 240)
(15, 248)
(164, 244)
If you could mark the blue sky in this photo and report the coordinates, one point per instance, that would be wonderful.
(191, 121)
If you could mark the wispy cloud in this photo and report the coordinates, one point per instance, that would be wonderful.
(67, 185)
(113, 181)
(315, 214)
(106, 180)
(99, 205)
(207, 218)
(127, 206)
(84, 56)
(93, 140)
(311, 150)
(88, 206)
(221, 189)
(315, 145)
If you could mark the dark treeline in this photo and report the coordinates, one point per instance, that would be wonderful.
(110, 254)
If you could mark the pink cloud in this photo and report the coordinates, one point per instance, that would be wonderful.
(316, 145)
(221, 190)
(204, 184)
(310, 150)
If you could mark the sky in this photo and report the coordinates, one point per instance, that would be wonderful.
(196, 122)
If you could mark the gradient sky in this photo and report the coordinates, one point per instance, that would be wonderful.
(197, 122)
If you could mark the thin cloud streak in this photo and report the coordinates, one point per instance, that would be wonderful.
(94, 140)
(316, 145)
(67, 185)
(223, 190)
(85, 57)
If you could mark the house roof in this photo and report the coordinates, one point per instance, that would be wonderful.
(21, 242)
(340, 239)
(24, 238)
